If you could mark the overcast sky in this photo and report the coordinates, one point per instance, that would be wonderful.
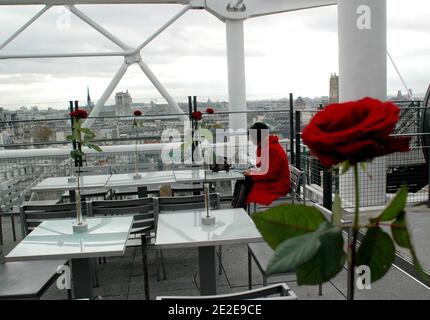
(290, 52)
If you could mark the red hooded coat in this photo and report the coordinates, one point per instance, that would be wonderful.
(275, 183)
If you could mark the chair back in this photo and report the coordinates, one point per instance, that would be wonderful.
(186, 203)
(93, 170)
(278, 291)
(141, 209)
(33, 215)
(9, 195)
(298, 180)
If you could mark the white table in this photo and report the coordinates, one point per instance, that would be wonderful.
(184, 229)
(198, 175)
(147, 179)
(62, 183)
(54, 239)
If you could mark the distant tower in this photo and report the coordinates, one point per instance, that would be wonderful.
(90, 104)
(334, 89)
(399, 94)
(300, 103)
(123, 103)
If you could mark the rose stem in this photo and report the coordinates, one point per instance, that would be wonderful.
(78, 195)
(355, 229)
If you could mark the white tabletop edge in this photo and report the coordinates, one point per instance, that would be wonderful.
(198, 244)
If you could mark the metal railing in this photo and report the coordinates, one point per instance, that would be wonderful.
(408, 168)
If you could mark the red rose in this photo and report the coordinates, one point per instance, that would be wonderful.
(210, 111)
(137, 113)
(354, 131)
(196, 115)
(79, 114)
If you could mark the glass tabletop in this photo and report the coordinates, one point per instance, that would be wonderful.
(185, 229)
(198, 175)
(147, 179)
(62, 183)
(54, 239)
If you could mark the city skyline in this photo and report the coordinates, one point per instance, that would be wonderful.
(273, 69)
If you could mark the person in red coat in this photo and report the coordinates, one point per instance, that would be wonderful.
(271, 178)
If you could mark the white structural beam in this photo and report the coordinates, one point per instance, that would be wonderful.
(72, 2)
(25, 26)
(362, 73)
(159, 86)
(108, 92)
(236, 74)
(225, 9)
(163, 27)
(98, 27)
(62, 55)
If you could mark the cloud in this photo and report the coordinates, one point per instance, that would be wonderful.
(290, 52)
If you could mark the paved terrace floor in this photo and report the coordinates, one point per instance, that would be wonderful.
(122, 277)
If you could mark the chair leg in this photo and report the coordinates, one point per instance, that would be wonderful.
(320, 290)
(157, 262)
(249, 271)
(220, 260)
(12, 220)
(1, 231)
(145, 267)
(163, 266)
(96, 283)
(69, 294)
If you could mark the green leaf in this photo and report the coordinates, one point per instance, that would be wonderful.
(377, 251)
(401, 236)
(329, 259)
(396, 206)
(345, 167)
(337, 210)
(400, 232)
(322, 249)
(75, 154)
(70, 137)
(88, 131)
(293, 252)
(95, 147)
(283, 222)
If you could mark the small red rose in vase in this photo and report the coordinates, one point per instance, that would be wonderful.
(82, 137)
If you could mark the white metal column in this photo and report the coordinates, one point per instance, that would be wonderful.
(236, 73)
(362, 73)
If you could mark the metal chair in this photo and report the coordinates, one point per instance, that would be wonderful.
(169, 204)
(33, 214)
(143, 229)
(121, 193)
(297, 192)
(298, 181)
(10, 198)
(261, 253)
(278, 291)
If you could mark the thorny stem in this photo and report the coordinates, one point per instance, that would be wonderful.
(355, 230)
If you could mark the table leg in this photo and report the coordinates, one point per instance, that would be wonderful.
(82, 279)
(72, 196)
(207, 270)
(142, 192)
